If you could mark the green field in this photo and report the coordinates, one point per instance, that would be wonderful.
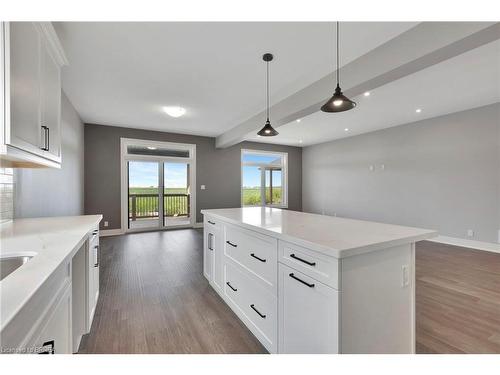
(251, 196)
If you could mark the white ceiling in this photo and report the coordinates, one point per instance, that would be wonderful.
(123, 73)
(467, 81)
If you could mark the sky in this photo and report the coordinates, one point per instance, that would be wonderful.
(145, 174)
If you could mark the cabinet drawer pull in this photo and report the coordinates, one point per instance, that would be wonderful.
(301, 281)
(229, 285)
(97, 255)
(256, 257)
(45, 138)
(211, 222)
(302, 260)
(211, 241)
(48, 347)
(232, 244)
(95, 232)
(257, 311)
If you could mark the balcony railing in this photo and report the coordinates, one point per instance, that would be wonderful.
(141, 206)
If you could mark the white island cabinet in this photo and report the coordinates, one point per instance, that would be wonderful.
(305, 283)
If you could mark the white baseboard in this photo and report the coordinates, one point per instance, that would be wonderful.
(110, 232)
(198, 225)
(471, 244)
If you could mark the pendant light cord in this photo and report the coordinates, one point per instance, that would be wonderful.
(267, 88)
(338, 75)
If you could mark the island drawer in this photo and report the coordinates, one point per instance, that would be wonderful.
(256, 253)
(211, 222)
(254, 304)
(318, 266)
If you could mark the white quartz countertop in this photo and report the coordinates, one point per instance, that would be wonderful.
(51, 240)
(333, 236)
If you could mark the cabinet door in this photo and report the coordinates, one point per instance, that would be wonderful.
(50, 102)
(24, 82)
(308, 314)
(92, 278)
(208, 253)
(217, 267)
(56, 334)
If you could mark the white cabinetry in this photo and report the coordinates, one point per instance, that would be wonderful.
(213, 252)
(93, 258)
(308, 314)
(31, 86)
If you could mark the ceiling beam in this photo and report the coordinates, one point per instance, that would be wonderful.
(422, 46)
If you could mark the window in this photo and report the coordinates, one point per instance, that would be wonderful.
(263, 178)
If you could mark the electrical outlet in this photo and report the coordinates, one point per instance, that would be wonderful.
(106, 223)
(470, 233)
(405, 276)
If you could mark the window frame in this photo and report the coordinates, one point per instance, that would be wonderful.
(284, 177)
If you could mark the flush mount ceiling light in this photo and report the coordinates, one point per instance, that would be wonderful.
(418, 110)
(267, 130)
(151, 148)
(338, 102)
(174, 111)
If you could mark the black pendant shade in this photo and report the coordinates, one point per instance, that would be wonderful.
(338, 102)
(267, 130)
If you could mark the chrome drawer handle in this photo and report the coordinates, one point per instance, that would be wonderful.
(211, 222)
(258, 312)
(232, 244)
(301, 281)
(229, 285)
(302, 260)
(98, 255)
(256, 257)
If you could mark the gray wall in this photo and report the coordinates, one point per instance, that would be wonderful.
(442, 173)
(55, 192)
(218, 169)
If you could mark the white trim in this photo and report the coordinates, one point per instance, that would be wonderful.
(110, 232)
(124, 157)
(48, 31)
(198, 225)
(471, 244)
(284, 176)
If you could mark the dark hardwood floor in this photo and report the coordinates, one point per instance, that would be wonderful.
(457, 299)
(155, 299)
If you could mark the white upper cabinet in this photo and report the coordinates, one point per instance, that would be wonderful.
(31, 64)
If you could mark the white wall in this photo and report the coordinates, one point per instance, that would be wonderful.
(442, 173)
(55, 192)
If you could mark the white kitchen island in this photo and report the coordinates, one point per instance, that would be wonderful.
(306, 283)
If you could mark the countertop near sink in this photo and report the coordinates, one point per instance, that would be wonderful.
(53, 239)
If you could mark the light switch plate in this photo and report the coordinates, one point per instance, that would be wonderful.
(202, 187)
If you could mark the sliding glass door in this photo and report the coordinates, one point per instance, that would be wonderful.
(158, 194)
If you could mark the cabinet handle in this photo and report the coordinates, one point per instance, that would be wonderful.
(229, 285)
(48, 139)
(211, 222)
(301, 281)
(51, 347)
(257, 311)
(96, 247)
(45, 139)
(232, 244)
(95, 232)
(210, 241)
(302, 260)
(256, 257)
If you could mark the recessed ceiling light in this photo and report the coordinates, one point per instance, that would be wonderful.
(418, 110)
(174, 111)
(367, 93)
(151, 148)
(300, 140)
(298, 120)
(346, 129)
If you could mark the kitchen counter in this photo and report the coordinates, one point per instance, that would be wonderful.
(333, 236)
(52, 241)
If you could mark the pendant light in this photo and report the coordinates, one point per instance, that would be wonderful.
(267, 130)
(338, 102)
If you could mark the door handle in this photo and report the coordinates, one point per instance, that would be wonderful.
(302, 260)
(256, 257)
(229, 285)
(257, 311)
(301, 281)
(232, 244)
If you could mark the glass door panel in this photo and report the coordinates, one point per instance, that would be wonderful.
(273, 186)
(176, 194)
(144, 206)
